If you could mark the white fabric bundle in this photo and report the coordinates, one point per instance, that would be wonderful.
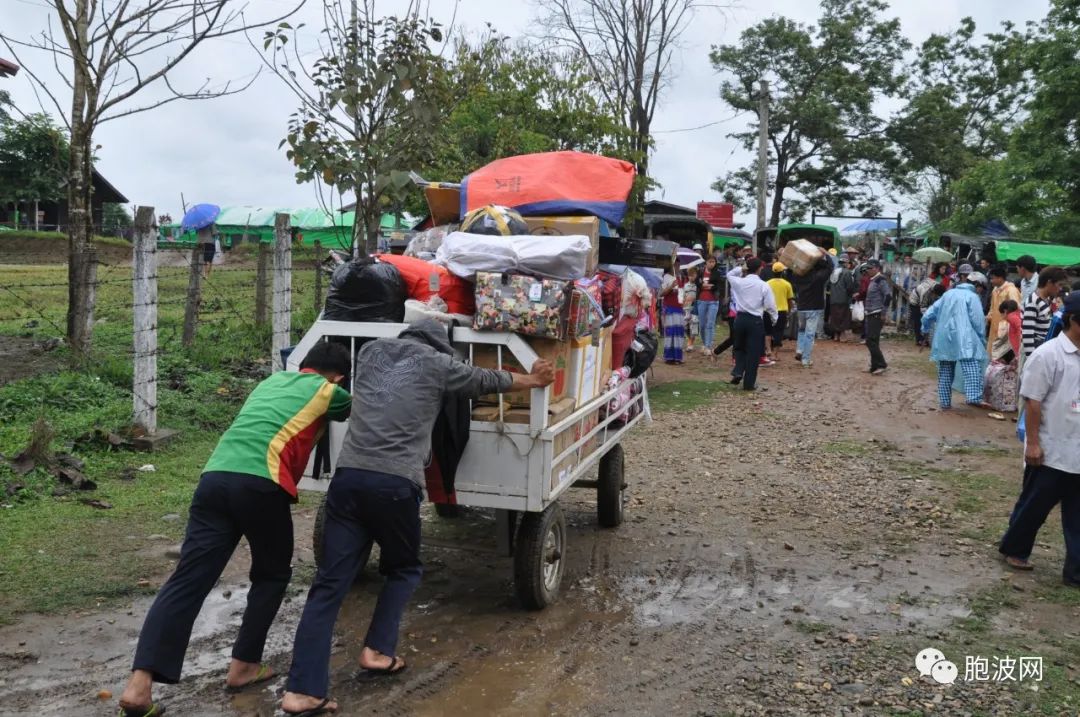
(556, 257)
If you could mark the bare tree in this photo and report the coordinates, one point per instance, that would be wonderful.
(107, 52)
(629, 46)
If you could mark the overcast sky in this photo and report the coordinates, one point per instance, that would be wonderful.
(225, 151)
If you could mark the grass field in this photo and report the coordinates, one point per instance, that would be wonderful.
(60, 552)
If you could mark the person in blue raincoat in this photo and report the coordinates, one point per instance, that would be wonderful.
(959, 338)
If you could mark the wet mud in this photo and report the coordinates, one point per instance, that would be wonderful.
(775, 545)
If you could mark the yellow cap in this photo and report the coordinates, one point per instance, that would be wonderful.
(778, 267)
(833, 251)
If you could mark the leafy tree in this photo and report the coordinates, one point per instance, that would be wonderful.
(5, 103)
(115, 219)
(1035, 186)
(827, 146)
(966, 97)
(516, 99)
(370, 104)
(33, 159)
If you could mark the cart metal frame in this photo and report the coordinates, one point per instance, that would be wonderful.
(512, 467)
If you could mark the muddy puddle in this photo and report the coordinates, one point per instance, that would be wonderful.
(759, 532)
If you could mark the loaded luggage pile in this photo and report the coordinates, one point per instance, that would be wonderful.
(521, 262)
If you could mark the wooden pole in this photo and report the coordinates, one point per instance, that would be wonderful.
(194, 295)
(261, 278)
(318, 278)
(145, 293)
(282, 316)
(763, 157)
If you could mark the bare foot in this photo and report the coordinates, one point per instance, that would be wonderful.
(137, 696)
(242, 674)
(374, 660)
(1018, 563)
(295, 703)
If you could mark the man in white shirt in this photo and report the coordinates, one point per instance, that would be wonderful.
(754, 299)
(1050, 386)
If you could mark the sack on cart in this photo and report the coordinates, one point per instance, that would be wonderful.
(628, 389)
(366, 290)
(642, 353)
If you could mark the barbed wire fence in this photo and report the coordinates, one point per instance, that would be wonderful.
(159, 302)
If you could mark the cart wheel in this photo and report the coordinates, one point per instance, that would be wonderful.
(538, 557)
(445, 510)
(611, 489)
(317, 541)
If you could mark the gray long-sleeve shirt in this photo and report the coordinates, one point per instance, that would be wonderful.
(878, 294)
(397, 395)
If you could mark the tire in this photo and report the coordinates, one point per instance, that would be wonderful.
(445, 510)
(539, 557)
(317, 532)
(611, 489)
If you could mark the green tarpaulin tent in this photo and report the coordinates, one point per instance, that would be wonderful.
(1045, 254)
(330, 229)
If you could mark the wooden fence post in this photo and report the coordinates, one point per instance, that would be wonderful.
(318, 277)
(194, 292)
(260, 283)
(282, 317)
(145, 292)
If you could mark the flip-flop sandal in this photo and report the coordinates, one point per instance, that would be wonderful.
(319, 709)
(263, 674)
(155, 709)
(1019, 564)
(397, 666)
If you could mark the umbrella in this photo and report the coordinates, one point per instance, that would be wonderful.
(686, 256)
(199, 216)
(690, 264)
(932, 253)
(869, 225)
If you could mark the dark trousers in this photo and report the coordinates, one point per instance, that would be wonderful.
(775, 329)
(873, 340)
(361, 506)
(749, 345)
(1045, 487)
(225, 507)
(916, 322)
(729, 341)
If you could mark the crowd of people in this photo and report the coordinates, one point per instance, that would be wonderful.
(1011, 345)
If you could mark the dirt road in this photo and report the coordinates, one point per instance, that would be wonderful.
(785, 552)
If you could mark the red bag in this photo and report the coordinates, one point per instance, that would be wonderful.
(424, 280)
(610, 293)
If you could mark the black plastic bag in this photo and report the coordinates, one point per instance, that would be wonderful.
(366, 290)
(642, 352)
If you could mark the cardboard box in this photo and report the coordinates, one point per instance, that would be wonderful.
(570, 226)
(606, 368)
(444, 203)
(800, 255)
(558, 352)
(583, 372)
(557, 411)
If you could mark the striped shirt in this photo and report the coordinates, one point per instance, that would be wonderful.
(278, 426)
(1035, 322)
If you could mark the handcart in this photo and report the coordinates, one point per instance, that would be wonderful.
(519, 470)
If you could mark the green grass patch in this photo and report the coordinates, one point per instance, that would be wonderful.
(846, 448)
(57, 552)
(810, 628)
(685, 395)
